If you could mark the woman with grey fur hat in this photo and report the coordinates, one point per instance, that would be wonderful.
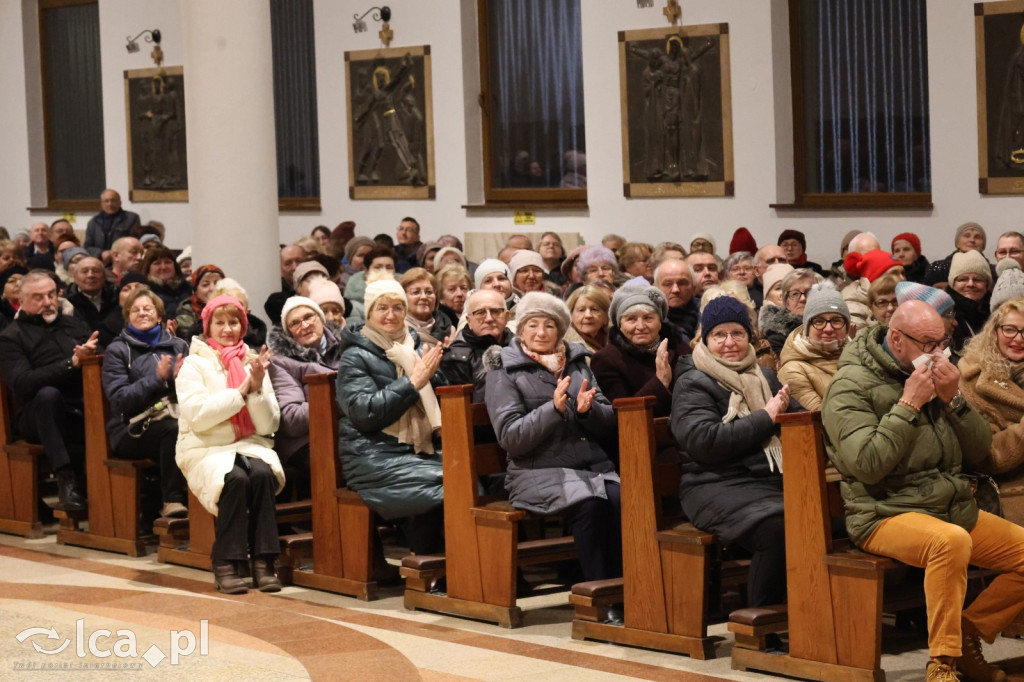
(811, 354)
(550, 417)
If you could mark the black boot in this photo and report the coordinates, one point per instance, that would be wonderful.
(263, 577)
(68, 491)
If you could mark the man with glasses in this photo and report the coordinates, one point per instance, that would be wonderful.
(408, 244)
(900, 432)
(1010, 245)
(486, 317)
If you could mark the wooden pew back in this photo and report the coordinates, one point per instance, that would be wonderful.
(19, 476)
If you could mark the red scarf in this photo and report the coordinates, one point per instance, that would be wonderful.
(799, 262)
(233, 358)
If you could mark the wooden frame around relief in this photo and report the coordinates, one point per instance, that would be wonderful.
(999, 45)
(646, 63)
(390, 117)
(154, 102)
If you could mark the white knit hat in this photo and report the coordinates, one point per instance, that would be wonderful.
(297, 302)
(487, 267)
(1010, 284)
(382, 287)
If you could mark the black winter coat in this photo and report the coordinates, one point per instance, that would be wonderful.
(88, 313)
(463, 361)
(35, 353)
(624, 371)
(727, 486)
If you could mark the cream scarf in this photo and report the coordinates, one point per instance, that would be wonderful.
(749, 389)
(416, 426)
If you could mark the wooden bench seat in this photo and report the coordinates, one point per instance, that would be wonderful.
(482, 551)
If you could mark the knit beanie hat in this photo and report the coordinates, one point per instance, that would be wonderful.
(487, 267)
(71, 252)
(1009, 285)
(537, 303)
(592, 255)
(186, 254)
(908, 237)
(129, 277)
(382, 287)
(706, 236)
(202, 271)
(871, 265)
(445, 251)
(912, 291)
(630, 296)
(969, 263)
(721, 310)
(424, 253)
(775, 273)
(823, 298)
(967, 226)
(217, 302)
(354, 245)
(149, 238)
(742, 240)
(297, 302)
(523, 257)
(793, 234)
(847, 238)
(324, 291)
(305, 269)
(570, 261)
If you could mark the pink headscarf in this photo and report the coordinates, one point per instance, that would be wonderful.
(233, 359)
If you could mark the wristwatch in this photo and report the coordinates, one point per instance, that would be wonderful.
(957, 403)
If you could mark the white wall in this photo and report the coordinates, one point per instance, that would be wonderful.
(755, 94)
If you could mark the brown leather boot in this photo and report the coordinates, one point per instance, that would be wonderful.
(227, 580)
(938, 671)
(263, 576)
(972, 665)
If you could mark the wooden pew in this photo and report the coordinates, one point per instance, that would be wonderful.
(666, 568)
(19, 477)
(113, 485)
(482, 550)
(836, 592)
(343, 528)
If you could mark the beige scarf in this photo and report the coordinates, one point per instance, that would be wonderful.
(750, 391)
(417, 425)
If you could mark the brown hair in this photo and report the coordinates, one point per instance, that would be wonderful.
(139, 293)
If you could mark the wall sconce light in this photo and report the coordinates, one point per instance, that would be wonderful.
(133, 44)
(381, 14)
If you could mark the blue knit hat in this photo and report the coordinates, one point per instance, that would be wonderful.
(912, 291)
(721, 310)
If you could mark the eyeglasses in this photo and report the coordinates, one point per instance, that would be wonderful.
(1009, 332)
(790, 244)
(741, 270)
(928, 346)
(885, 303)
(794, 296)
(481, 314)
(604, 267)
(973, 279)
(142, 309)
(721, 337)
(308, 318)
(835, 322)
(1012, 253)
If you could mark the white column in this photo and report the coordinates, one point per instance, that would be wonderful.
(232, 172)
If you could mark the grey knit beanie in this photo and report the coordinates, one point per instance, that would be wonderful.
(631, 295)
(823, 298)
(537, 303)
(1009, 285)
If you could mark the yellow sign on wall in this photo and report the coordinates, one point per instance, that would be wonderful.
(525, 218)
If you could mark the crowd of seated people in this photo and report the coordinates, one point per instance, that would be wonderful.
(548, 339)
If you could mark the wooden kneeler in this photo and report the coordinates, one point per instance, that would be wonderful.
(19, 477)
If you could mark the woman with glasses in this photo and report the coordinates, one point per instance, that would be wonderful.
(882, 299)
(970, 287)
(777, 323)
(139, 369)
(811, 354)
(866, 268)
(432, 325)
(992, 381)
(740, 267)
(305, 343)
(553, 253)
(724, 407)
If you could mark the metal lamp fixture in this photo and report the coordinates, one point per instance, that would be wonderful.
(133, 43)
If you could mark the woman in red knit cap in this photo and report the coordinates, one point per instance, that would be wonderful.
(907, 248)
(865, 268)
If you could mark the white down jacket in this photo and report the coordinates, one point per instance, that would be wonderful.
(206, 440)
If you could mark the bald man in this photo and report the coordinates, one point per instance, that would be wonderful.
(855, 294)
(899, 431)
(486, 317)
(109, 225)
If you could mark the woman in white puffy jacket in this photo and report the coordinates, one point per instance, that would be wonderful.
(225, 445)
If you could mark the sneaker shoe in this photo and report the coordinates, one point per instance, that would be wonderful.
(940, 672)
(174, 510)
(972, 664)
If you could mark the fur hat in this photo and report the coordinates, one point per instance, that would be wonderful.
(382, 287)
(908, 237)
(324, 291)
(71, 252)
(823, 298)
(708, 237)
(969, 263)
(487, 267)
(354, 245)
(742, 240)
(967, 226)
(630, 296)
(305, 269)
(1009, 285)
(297, 302)
(592, 255)
(186, 254)
(912, 291)
(445, 251)
(217, 302)
(537, 303)
(775, 273)
(793, 234)
(722, 310)
(523, 257)
(870, 265)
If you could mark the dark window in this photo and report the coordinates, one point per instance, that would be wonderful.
(860, 102)
(69, 36)
(532, 82)
(298, 145)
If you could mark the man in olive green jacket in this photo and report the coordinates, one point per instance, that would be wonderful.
(900, 436)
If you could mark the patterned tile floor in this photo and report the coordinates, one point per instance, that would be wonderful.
(305, 634)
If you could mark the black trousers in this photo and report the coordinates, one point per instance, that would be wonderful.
(595, 525)
(425, 532)
(766, 580)
(158, 440)
(55, 423)
(246, 522)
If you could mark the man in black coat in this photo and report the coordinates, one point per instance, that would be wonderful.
(40, 361)
(675, 279)
(486, 316)
(109, 225)
(93, 299)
